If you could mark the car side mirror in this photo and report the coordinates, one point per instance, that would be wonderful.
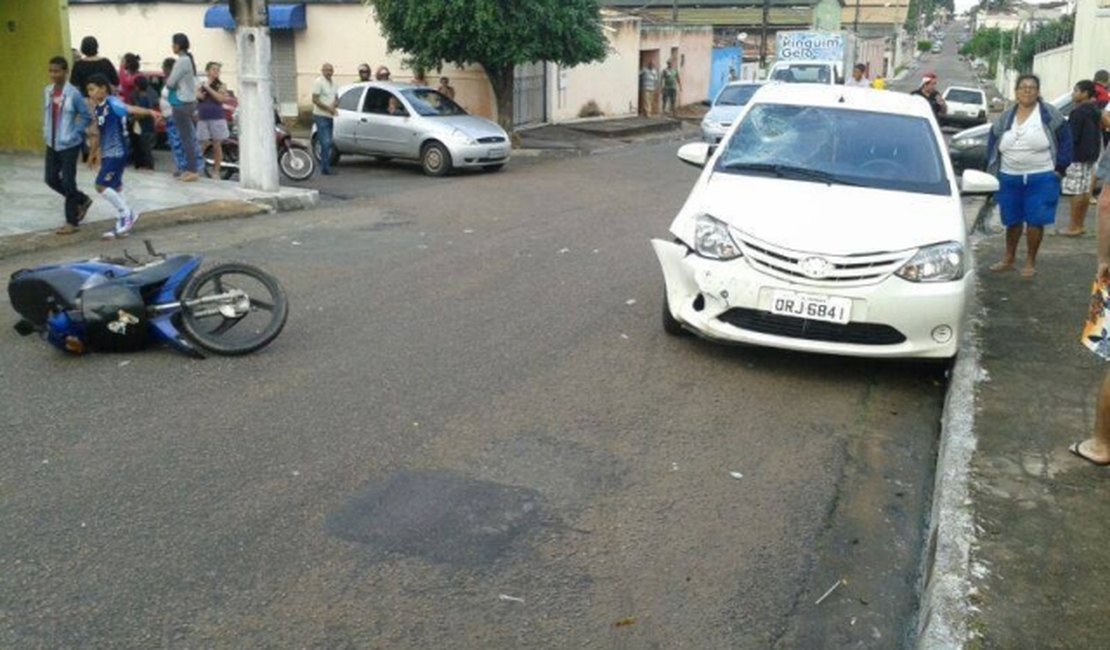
(974, 181)
(695, 153)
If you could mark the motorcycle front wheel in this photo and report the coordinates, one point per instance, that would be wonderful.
(233, 309)
(297, 163)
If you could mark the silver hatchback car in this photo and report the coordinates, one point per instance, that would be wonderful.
(391, 120)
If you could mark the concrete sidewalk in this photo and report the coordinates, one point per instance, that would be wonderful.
(32, 211)
(596, 136)
(1021, 535)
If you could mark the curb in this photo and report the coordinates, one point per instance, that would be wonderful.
(943, 615)
(155, 219)
(670, 136)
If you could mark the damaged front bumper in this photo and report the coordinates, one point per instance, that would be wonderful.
(730, 301)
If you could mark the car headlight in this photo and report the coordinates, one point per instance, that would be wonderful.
(967, 143)
(712, 239)
(459, 136)
(936, 263)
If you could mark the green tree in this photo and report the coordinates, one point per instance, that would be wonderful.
(1045, 37)
(988, 44)
(496, 34)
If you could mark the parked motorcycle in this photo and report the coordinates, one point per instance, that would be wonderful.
(294, 159)
(122, 305)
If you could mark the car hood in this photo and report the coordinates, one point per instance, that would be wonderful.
(473, 126)
(819, 218)
(726, 114)
(974, 132)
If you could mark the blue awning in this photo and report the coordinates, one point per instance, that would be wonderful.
(280, 17)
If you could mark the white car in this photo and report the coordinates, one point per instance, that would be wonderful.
(829, 221)
(966, 106)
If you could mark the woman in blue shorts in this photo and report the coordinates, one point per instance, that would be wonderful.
(1029, 149)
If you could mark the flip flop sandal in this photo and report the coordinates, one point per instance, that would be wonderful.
(1074, 448)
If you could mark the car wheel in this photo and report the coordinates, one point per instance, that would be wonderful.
(670, 325)
(435, 159)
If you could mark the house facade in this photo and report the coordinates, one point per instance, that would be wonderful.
(345, 33)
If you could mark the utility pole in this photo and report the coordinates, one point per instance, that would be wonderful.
(763, 36)
(258, 169)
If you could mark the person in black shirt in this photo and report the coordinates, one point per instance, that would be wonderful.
(91, 63)
(84, 68)
(928, 90)
(1086, 131)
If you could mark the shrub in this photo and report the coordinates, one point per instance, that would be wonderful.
(590, 109)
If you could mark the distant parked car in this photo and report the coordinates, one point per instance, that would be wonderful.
(728, 104)
(392, 120)
(966, 106)
(968, 148)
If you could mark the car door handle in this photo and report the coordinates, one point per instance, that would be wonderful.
(363, 120)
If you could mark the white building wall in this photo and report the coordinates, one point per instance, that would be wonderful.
(1054, 69)
(146, 30)
(611, 84)
(1092, 39)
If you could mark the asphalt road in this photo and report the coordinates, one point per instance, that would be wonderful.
(473, 433)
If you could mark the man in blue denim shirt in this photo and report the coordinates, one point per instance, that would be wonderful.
(65, 116)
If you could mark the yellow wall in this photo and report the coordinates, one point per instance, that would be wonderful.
(31, 32)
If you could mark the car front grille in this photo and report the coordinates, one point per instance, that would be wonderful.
(844, 270)
(491, 140)
(812, 330)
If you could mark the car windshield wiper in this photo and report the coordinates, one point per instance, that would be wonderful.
(789, 171)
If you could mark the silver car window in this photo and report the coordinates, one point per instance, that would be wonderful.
(430, 103)
(348, 101)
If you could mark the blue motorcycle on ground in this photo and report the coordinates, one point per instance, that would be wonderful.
(121, 305)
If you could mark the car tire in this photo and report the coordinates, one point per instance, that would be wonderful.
(316, 152)
(670, 325)
(435, 159)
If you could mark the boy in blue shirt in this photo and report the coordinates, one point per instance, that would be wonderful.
(65, 117)
(111, 117)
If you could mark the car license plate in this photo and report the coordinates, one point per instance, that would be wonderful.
(496, 153)
(815, 307)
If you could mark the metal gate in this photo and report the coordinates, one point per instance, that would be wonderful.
(530, 94)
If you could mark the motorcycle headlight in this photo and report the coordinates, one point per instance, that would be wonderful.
(936, 263)
(713, 240)
(967, 143)
(459, 136)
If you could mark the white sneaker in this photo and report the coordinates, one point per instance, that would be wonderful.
(128, 224)
(124, 224)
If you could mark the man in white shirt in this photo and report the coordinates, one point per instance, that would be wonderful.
(858, 80)
(324, 102)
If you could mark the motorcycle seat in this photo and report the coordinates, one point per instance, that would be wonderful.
(35, 292)
(151, 279)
